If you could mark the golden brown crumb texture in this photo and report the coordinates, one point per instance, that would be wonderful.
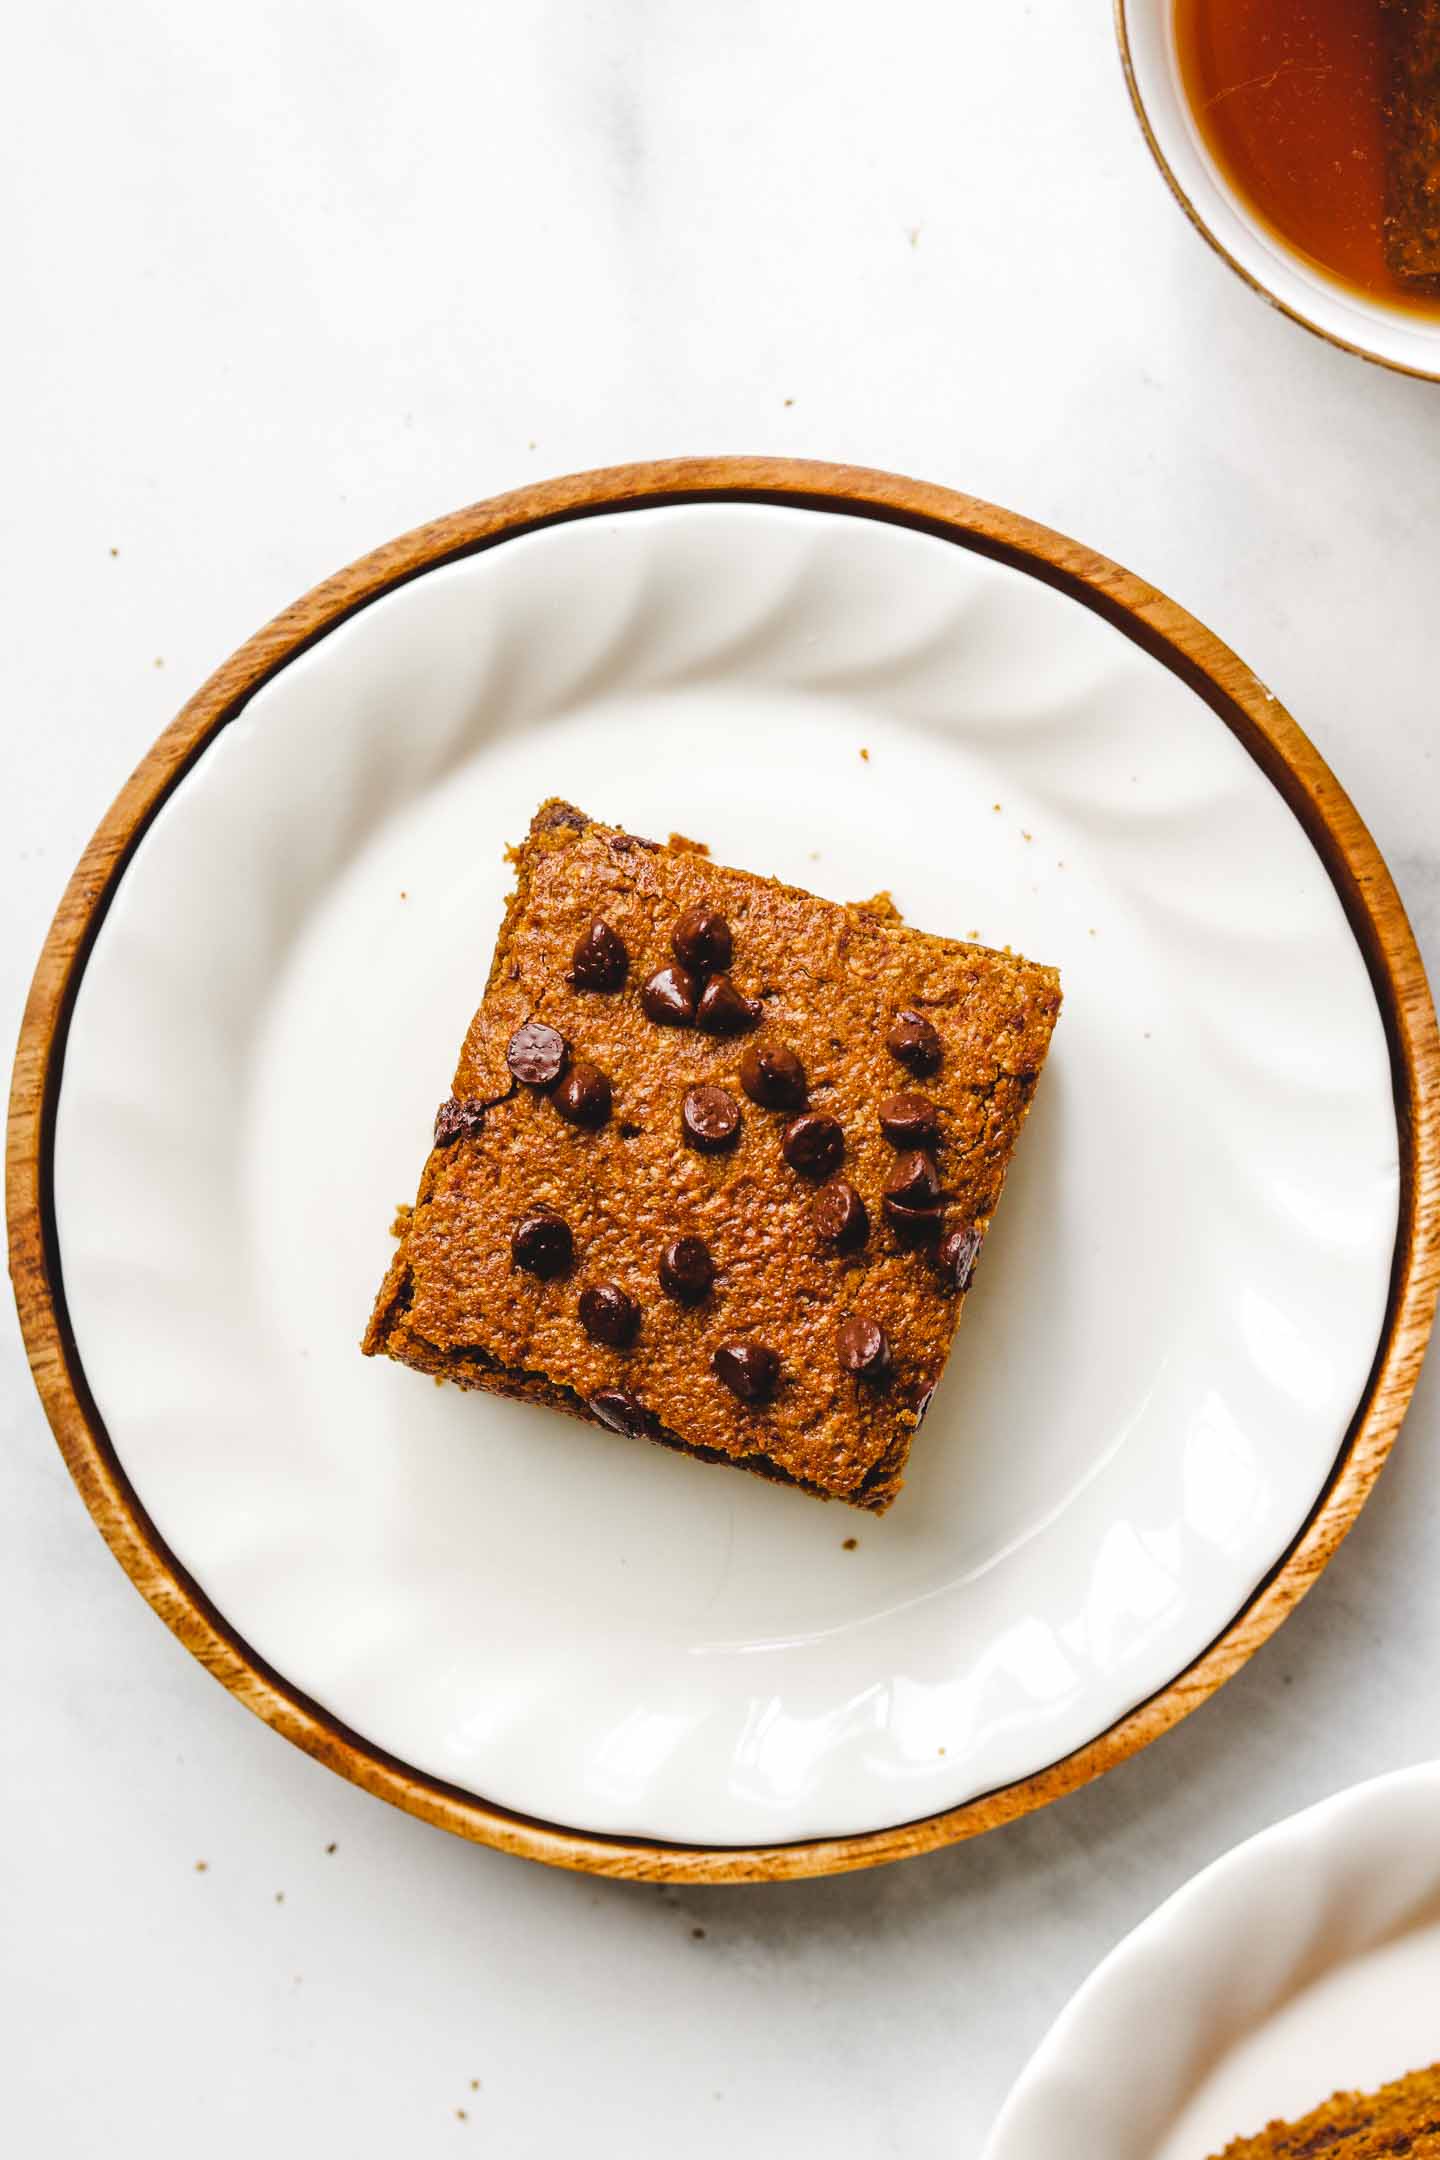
(828, 981)
(1400, 2118)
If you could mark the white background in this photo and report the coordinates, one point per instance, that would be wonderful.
(282, 281)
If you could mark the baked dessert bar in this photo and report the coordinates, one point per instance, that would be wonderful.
(719, 1160)
(1399, 2118)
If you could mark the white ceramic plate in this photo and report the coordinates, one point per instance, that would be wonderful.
(1305, 1962)
(1180, 1301)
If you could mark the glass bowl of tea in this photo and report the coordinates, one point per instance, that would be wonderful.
(1302, 138)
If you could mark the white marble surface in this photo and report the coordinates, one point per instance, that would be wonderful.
(284, 281)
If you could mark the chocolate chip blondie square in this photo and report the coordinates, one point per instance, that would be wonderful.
(719, 1160)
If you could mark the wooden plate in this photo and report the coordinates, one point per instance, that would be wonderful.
(1153, 623)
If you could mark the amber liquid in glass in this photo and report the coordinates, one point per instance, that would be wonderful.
(1290, 97)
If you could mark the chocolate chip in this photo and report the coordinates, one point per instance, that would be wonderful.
(813, 1145)
(959, 1251)
(912, 1225)
(909, 1121)
(914, 1042)
(537, 1054)
(609, 1314)
(702, 940)
(914, 1181)
(922, 1406)
(458, 1119)
(863, 1350)
(622, 1412)
(723, 1011)
(670, 997)
(710, 1119)
(583, 1097)
(687, 1270)
(840, 1215)
(599, 960)
(773, 1076)
(749, 1369)
(542, 1244)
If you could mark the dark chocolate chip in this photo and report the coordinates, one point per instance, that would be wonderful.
(622, 1412)
(542, 1244)
(625, 843)
(914, 1042)
(609, 1314)
(814, 1145)
(912, 1225)
(583, 1097)
(710, 1119)
(600, 960)
(773, 1076)
(687, 1270)
(670, 997)
(749, 1369)
(909, 1121)
(840, 1215)
(922, 1406)
(702, 941)
(959, 1251)
(458, 1119)
(863, 1350)
(537, 1054)
(914, 1181)
(723, 1011)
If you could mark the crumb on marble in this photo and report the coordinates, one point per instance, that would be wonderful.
(331, 1847)
(850, 1544)
(866, 755)
(697, 1934)
(202, 1867)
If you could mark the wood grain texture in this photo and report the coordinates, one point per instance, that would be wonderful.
(1141, 613)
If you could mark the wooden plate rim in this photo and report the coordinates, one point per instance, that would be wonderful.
(1152, 621)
